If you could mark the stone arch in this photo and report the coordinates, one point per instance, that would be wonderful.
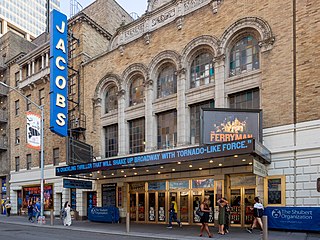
(205, 42)
(254, 24)
(162, 58)
(108, 80)
(136, 68)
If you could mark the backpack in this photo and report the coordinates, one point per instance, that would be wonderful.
(63, 213)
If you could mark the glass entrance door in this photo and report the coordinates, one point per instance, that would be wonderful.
(162, 207)
(152, 207)
(133, 206)
(241, 202)
(184, 206)
(196, 201)
(141, 207)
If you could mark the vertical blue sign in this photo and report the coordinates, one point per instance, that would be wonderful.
(59, 73)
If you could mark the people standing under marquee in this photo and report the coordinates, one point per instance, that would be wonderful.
(67, 220)
(173, 211)
(8, 207)
(222, 215)
(204, 206)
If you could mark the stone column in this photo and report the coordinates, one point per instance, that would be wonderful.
(219, 67)
(42, 61)
(32, 66)
(47, 59)
(149, 117)
(181, 108)
(96, 126)
(29, 69)
(122, 126)
(20, 73)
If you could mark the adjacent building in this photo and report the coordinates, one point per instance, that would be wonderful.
(25, 18)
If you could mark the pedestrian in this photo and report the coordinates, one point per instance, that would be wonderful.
(67, 220)
(205, 209)
(8, 208)
(227, 212)
(257, 214)
(222, 215)
(173, 211)
(37, 209)
(30, 211)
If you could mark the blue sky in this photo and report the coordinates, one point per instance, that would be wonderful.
(137, 6)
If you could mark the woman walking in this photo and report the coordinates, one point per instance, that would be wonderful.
(30, 211)
(257, 214)
(8, 208)
(205, 217)
(67, 220)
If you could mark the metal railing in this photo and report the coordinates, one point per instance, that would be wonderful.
(3, 116)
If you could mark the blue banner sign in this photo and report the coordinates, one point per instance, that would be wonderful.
(79, 184)
(103, 214)
(196, 153)
(59, 73)
(294, 218)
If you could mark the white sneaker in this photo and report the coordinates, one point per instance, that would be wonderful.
(169, 227)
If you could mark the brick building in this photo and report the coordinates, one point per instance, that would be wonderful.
(142, 97)
(139, 95)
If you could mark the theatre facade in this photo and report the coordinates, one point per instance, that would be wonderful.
(200, 99)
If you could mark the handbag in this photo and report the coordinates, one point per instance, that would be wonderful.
(199, 212)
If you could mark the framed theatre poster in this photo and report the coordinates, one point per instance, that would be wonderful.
(275, 190)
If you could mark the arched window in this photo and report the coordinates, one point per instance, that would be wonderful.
(244, 56)
(136, 91)
(202, 71)
(111, 100)
(167, 81)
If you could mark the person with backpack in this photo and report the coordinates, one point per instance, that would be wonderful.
(257, 214)
(8, 208)
(173, 211)
(205, 210)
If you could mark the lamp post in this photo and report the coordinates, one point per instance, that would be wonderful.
(41, 145)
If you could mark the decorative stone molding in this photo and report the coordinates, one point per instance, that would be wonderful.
(179, 23)
(220, 58)
(121, 93)
(169, 12)
(181, 71)
(121, 50)
(148, 83)
(147, 38)
(257, 24)
(97, 102)
(267, 44)
(215, 6)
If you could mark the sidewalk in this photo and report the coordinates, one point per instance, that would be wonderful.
(157, 231)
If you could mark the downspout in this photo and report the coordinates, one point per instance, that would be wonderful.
(294, 32)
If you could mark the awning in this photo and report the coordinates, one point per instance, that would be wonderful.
(234, 153)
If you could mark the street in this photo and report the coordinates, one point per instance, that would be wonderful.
(23, 232)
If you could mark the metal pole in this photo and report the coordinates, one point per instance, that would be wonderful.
(265, 227)
(42, 164)
(128, 222)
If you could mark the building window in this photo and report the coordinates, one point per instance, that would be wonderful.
(17, 162)
(111, 100)
(275, 190)
(17, 136)
(167, 130)
(136, 91)
(28, 103)
(137, 135)
(17, 107)
(167, 81)
(56, 160)
(41, 97)
(244, 56)
(249, 99)
(202, 71)
(29, 161)
(195, 120)
(17, 78)
(111, 140)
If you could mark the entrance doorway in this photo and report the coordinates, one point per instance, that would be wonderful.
(241, 202)
(137, 207)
